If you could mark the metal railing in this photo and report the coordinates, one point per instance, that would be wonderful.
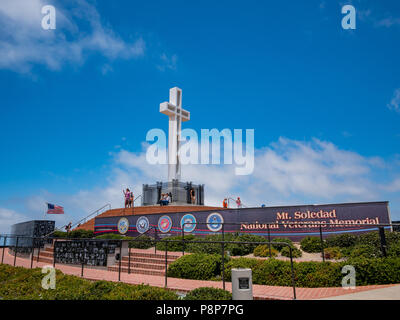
(15, 245)
(83, 220)
(166, 241)
(241, 203)
(359, 228)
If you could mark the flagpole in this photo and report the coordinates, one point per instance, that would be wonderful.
(45, 212)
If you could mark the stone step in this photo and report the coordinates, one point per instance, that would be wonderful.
(143, 265)
(138, 271)
(147, 260)
(154, 255)
(43, 259)
(46, 254)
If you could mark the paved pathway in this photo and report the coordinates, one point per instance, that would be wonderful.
(390, 293)
(185, 285)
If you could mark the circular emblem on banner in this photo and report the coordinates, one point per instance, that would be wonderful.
(123, 225)
(215, 221)
(164, 224)
(188, 223)
(142, 224)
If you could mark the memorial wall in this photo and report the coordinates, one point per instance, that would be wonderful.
(294, 222)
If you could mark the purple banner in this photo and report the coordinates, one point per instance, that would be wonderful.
(294, 222)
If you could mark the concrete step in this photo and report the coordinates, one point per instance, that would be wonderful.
(138, 271)
(143, 265)
(154, 255)
(147, 260)
(46, 254)
(43, 259)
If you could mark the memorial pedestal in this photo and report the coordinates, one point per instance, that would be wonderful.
(179, 192)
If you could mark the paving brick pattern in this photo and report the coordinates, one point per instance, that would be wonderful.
(184, 285)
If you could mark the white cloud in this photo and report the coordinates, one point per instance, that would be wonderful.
(286, 172)
(388, 22)
(24, 43)
(394, 186)
(9, 217)
(168, 62)
(395, 102)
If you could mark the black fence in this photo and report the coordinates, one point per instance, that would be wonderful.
(92, 252)
(83, 261)
(322, 232)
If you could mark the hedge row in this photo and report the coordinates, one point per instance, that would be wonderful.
(278, 273)
(214, 248)
(17, 283)
(207, 293)
(365, 245)
(25, 284)
(145, 242)
(84, 234)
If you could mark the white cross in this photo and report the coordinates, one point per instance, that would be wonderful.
(173, 109)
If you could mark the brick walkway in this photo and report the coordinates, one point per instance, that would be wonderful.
(184, 285)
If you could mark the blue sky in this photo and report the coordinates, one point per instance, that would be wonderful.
(77, 102)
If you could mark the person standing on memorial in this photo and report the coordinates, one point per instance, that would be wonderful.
(164, 199)
(238, 202)
(68, 227)
(131, 200)
(192, 196)
(127, 195)
(225, 203)
(167, 199)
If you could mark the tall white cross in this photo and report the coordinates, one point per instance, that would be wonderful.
(173, 109)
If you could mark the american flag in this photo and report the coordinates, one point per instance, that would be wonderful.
(53, 209)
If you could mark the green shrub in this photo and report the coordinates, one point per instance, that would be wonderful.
(369, 239)
(245, 249)
(273, 272)
(210, 248)
(142, 244)
(233, 248)
(310, 244)
(296, 253)
(344, 240)
(59, 234)
(394, 250)
(318, 274)
(85, 234)
(75, 234)
(278, 272)
(18, 283)
(113, 236)
(332, 253)
(207, 293)
(174, 246)
(313, 274)
(365, 251)
(263, 251)
(279, 247)
(392, 237)
(240, 263)
(376, 270)
(199, 266)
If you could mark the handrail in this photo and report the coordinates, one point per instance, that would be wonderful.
(229, 198)
(155, 236)
(151, 227)
(139, 196)
(94, 212)
(83, 220)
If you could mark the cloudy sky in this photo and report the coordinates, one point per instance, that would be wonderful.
(76, 102)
